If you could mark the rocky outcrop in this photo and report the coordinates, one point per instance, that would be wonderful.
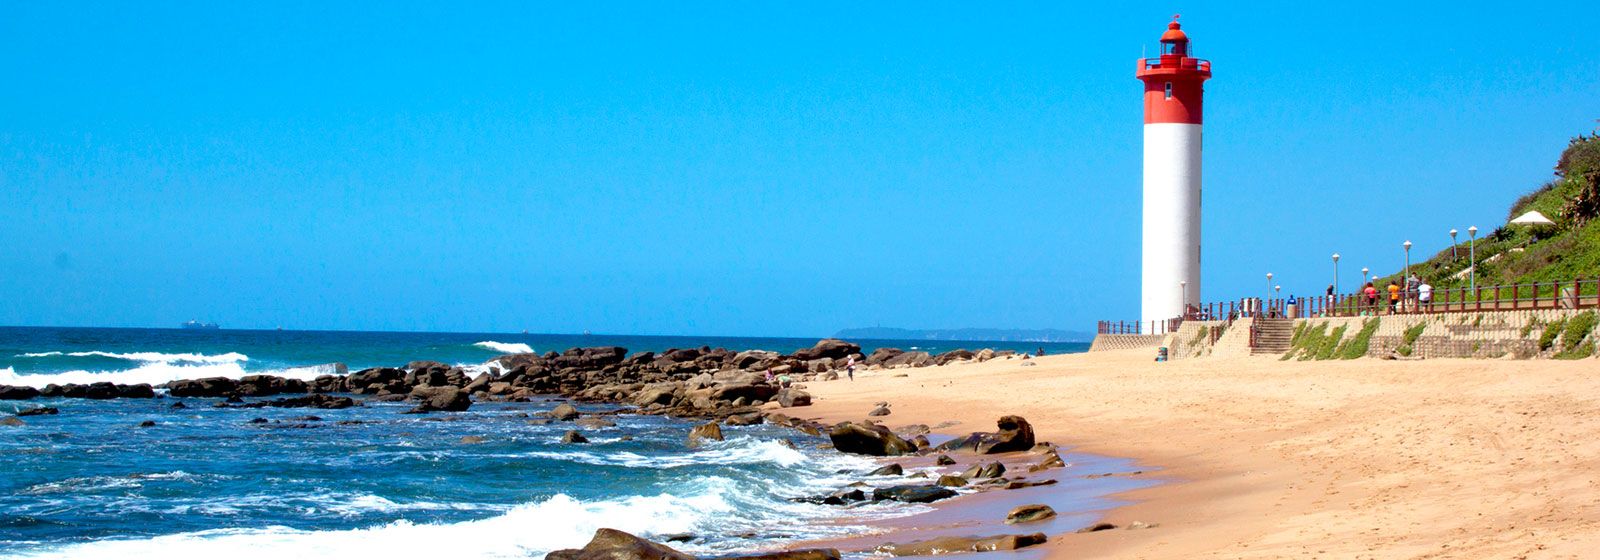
(101, 390)
(326, 402)
(39, 411)
(914, 494)
(790, 398)
(991, 470)
(801, 554)
(868, 439)
(947, 545)
(437, 399)
(710, 431)
(828, 348)
(611, 544)
(572, 436)
(17, 393)
(891, 469)
(1015, 434)
(1029, 514)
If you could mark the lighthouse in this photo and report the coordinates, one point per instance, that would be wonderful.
(1174, 84)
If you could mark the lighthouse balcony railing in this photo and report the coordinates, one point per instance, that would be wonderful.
(1184, 63)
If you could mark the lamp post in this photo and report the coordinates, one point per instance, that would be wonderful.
(1454, 256)
(1472, 258)
(1183, 298)
(1335, 273)
(1364, 274)
(1407, 245)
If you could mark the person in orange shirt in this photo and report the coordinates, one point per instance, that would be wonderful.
(1394, 297)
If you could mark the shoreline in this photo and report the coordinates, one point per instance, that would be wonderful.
(1261, 458)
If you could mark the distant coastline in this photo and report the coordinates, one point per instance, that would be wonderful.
(979, 334)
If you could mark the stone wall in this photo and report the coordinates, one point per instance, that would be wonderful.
(1125, 341)
(1490, 334)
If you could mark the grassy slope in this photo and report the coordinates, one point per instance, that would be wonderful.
(1562, 252)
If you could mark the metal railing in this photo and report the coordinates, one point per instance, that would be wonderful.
(1566, 294)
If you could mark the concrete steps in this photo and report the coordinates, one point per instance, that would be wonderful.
(1272, 336)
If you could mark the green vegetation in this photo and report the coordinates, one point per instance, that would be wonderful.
(1567, 250)
(1357, 347)
(1411, 336)
(1330, 344)
(1576, 339)
(1551, 331)
(1307, 339)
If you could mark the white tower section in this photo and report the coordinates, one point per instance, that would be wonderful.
(1171, 234)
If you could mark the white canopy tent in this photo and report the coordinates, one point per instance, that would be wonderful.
(1532, 218)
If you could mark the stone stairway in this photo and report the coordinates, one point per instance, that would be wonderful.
(1272, 336)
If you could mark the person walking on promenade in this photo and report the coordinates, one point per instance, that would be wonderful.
(850, 368)
(1372, 298)
(1333, 299)
(1411, 292)
(1394, 297)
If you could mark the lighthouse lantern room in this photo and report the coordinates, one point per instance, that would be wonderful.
(1173, 89)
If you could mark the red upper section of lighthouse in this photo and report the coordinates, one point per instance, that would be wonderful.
(1173, 83)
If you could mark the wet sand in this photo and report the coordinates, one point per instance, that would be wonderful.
(1268, 459)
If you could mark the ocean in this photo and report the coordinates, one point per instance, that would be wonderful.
(369, 481)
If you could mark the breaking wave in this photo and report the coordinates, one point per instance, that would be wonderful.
(506, 347)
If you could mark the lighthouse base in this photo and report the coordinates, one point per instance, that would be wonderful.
(1171, 232)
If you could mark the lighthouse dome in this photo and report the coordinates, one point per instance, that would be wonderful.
(1174, 34)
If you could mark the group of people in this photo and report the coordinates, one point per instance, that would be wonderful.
(1415, 295)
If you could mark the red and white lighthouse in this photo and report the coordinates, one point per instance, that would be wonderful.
(1173, 87)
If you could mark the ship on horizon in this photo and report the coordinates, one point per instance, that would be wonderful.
(193, 324)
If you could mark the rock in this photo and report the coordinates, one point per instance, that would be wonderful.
(611, 544)
(867, 439)
(572, 436)
(920, 442)
(1015, 435)
(909, 359)
(844, 497)
(708, 431)
(882, 355)
(799, 554)
(947, 545)
(564, 412)
(12, 421)
(1020, 484)
(471, 440)
(991, 470)
(448, 399)
(984, 355)
(1029, 514)
(207, 387)
(326, 402)
(951, 480)
(880, 411)
(258, 421)
(749, 419)
(913, 493)
(40, 411)
(592, 423)
(792, 397)
(17, 393)
(370, 380)
(1097, 527)
(944, 460)
(1141, 525)
(953, 356)
(828, 348)
(178, 406)
(1027, 363)
(147, 424)
(1050, 461)
(891, 469)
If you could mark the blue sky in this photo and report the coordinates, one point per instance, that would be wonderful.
(734, 168)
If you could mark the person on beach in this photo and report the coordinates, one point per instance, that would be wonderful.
(770, 377)
(850, 368)
(1425, 295)
(1394, 297)
(1372, 298)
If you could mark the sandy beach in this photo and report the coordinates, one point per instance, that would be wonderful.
(1269, 459)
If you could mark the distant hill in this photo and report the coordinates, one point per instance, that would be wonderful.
(995, 335)
(1516, 254)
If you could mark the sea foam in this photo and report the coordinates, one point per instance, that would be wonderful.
(150, 357)
(528, 530)
(506, 347)
(153, 373)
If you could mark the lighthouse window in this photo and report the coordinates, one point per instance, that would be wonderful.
(1169, 90)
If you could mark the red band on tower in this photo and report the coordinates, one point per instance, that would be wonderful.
(1174, 84)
